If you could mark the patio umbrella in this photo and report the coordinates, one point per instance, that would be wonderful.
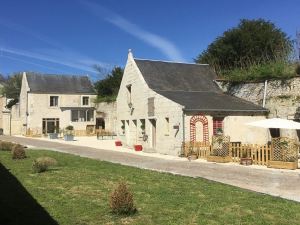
(276, 123)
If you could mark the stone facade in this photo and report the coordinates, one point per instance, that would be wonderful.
(282, 97)
(107, 112)
(34, 108)
(157, 137)
(160, 125)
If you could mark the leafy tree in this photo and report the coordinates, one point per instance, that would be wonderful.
(12, 88)
(108, 87)
(251, 42)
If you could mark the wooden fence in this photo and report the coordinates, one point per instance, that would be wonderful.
(260, 154)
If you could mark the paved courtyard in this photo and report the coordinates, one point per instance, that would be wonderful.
(283, 183)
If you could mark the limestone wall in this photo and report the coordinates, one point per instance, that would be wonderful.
(39, 108)
(282, 99)
(108, 111)
(168, 138)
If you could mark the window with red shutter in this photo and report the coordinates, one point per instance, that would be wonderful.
(217, 124)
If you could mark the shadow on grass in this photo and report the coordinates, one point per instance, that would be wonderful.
(17, 206)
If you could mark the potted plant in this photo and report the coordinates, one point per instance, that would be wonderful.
(219, 131)
(69, 133)
(220, 149)
(138, 148)
(118, 143)
(54, 135)
(192, 153)
(284, 154)
(245, 160)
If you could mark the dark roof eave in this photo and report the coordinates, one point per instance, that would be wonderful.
(67, 93)
(225, 110)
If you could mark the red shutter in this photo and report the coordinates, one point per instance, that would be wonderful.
(217, 123)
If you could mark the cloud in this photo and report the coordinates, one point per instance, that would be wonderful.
(162, 44)
(54, 53)
(29, 62)
(61, 60)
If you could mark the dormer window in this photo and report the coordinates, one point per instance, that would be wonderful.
(85, 100)
(53, 101)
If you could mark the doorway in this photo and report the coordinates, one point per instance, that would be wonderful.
(153, 133)
(100, 123)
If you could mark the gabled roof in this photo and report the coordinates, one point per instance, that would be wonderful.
(60, 84)
(173, 76)
(192, 86)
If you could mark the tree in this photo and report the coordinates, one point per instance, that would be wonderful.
(12, 88)
(109, 86)
(251, 42)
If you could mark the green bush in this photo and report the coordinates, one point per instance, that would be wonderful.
(121, 200)
(278, 69)
(18, 152)
(6, 146)
(42, 164)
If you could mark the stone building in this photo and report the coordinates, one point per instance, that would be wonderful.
(51, 102)
(162, 104)
(281, 98)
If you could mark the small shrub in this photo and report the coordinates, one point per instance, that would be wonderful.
(18, 152)
(6, 146)
(121, 200)
(298, 69)
(42, 164)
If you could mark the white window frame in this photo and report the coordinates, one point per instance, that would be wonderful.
(83, 102)
(57, 101)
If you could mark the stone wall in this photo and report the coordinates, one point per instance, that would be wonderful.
(282, 98)
(161, 135)
(108, 112)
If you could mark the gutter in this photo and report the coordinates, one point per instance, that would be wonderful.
(265, 93)
(183, 130)
(224, 110)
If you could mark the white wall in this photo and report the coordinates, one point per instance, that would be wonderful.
(236, 128)
(39, 108)
(166, 143)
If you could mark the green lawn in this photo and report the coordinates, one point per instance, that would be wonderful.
(76, 193)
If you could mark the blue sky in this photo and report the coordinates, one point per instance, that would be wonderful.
(70, 36)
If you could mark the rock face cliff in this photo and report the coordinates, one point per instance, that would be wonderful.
(282, 97)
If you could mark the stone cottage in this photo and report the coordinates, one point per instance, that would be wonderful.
(51, 102)
(162, 104)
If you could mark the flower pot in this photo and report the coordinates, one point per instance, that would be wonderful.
(246, 161)
(118, 143)
(138, 148)
(69, 137)
(53, 135)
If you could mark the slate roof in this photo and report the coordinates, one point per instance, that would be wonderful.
(210, 101)
(192, 86)
(60, 84)
(171, 76)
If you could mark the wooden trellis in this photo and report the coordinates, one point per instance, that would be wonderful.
(220, 145)
(284, 149)
(204, 121)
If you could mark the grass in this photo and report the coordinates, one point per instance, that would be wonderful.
(76, 192)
